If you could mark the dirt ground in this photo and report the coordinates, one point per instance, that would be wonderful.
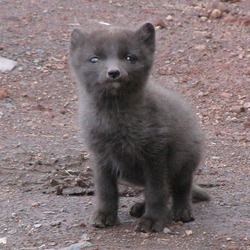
(46, 194)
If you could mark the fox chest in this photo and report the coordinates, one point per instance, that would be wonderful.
(120, 141)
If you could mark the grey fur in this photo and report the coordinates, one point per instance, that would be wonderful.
(137, 131)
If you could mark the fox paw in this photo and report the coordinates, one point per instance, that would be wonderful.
(102, 220)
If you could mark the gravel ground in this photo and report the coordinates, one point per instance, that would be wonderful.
(46, 195)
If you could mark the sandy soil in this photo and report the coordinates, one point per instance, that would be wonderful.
(46, 195)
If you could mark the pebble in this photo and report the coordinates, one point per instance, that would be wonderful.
(145, 235)
(226, 95)
(13, 215)
(85, 237)
(77, 246)
(246, 124)
(216, 13)
(49, 212)
(180, 223)
(4, 93)
(52, 244)
(104, 23)
(3, 241)
(80, 224)
(189, 232)
(201, 47)
(215, 157)
(65, 136)
(31, 231)
(37, 225)
(246, 105)
(203, 18)
(35, 204)
(237, 109)
(6, 64)
(160, 24)
(167, 231)
(169, 18)
(232, 248)
(55, 223)
(54, 183)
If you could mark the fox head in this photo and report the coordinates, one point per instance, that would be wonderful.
(112, 62)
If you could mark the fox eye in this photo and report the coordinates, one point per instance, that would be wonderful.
(131, 59)
(94, 59)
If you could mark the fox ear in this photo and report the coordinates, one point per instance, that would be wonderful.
(77, 38)
(147, 35)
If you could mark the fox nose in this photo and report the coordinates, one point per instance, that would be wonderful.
(114, 73)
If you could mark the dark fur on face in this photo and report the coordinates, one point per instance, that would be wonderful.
(136, 130)
(111, 63)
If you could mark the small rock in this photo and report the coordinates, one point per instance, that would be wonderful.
(247, 125)
(180, 223)
(39, 107)
(237, 109)
(216, 13)
(72, 172)
(167, 231)
(159, 24)
(13, 215)
(63, 111)
(246, 105)
(230, 1)
(37, 225)
(74, 191)
(3, 241)
(169, 18)
(79, 224)
(59, 190)
(35, 204)
(245, 21)
(228, 239)
(162, 71)
(56, 223)
(6, 64)
(232, 248)
(203, 18)
(65, 136)
(52, 244)
(230, 19)
(145, 235)
(64, 210)
(201, 93)
(31, 231)
(104, 23)
(215, 157)
(77, 246)
(49, 212)
(189, 232)
(85, 237)
(226, 95)
(4, 93)
(54, 183)
(201, 47)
